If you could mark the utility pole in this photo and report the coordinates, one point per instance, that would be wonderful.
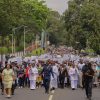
(24, 40)
(12, 41)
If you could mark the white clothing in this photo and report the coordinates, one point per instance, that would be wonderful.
(80, 66)
(53, 82)
(32, 84)
(74, 84)
(33, 73)
(73, 73)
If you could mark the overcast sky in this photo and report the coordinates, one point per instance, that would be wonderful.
(58, 5)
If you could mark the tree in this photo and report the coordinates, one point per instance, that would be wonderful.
(82, 22)
(16, 13)
(55, 28)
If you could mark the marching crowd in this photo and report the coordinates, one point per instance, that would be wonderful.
(59, 68)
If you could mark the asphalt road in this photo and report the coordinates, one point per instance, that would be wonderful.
(59, 94)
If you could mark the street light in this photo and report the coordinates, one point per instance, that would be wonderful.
(24, 38)
(13, 38)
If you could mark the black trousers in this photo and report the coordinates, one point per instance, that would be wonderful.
(21, 81)
(2, 87)
(88, 87)
(46, 83)
(13, 88)
(61, 81)
(68, 81)
(27, 81)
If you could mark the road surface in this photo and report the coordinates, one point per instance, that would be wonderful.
(59, 94)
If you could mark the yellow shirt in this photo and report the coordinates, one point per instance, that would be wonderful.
(8, 74)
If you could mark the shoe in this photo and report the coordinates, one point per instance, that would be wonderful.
(89, 98)
(8, 96)
(47, 92)
(73, 88)
(51, 89)
(12, 93)
(32, 89)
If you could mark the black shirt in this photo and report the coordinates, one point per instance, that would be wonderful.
(88, 72)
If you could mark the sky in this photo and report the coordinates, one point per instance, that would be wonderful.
(57, 5)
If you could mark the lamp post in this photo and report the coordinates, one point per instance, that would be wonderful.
(13, 38)
(24, 38)
(12, 41)
(77, 45)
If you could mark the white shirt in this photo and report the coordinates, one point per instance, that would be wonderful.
(80, 66)
(33, 73)
(73, 73)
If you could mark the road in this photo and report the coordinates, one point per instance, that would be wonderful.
(59, 94)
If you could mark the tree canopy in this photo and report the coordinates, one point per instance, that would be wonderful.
(19, 13)
(79, 26)
(82, 22)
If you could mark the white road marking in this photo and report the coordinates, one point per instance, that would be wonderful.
(51, 96)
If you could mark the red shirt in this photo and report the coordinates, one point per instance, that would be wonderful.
(27, 72)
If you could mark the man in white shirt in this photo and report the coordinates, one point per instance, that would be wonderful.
(80, 66)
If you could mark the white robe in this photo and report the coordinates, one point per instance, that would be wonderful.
(54, 82)
(33, 73)
(73, 73)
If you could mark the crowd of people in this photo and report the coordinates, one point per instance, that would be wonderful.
(59, 68)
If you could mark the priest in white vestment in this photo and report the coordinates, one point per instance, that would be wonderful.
(33, 73)
(54, 80)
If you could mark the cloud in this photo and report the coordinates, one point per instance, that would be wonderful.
(58, 5)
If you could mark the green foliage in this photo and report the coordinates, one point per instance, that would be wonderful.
(55, 28)
(3, 50)
(38, 51)
(16, 13)
(89, 50)
(82, 22)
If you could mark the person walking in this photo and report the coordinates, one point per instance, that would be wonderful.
(8, 78)
(1, 83)
(54, 80)
(73, 73)
(62, 74)
(20, 73)
(33, 73)
(47, 72)
(88, 74)
(80, 66)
